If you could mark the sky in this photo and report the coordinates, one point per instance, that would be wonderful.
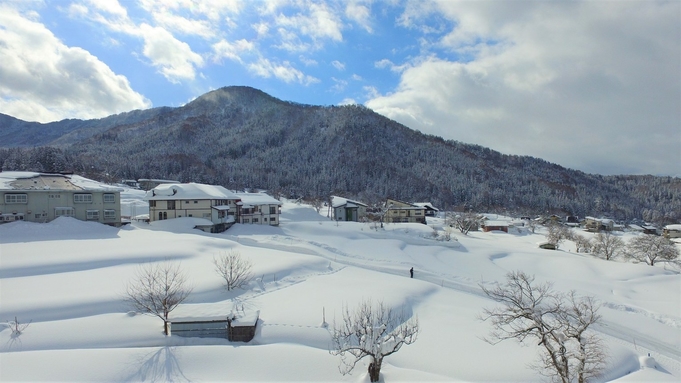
(589, 85)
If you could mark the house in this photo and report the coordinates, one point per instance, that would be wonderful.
(258, 208)
(595, 225)
(649, 229)
(489, 225)
(672, 231)
(431, 211)
(348, 210)
(42, 197)
(213, 203)
(398, 211)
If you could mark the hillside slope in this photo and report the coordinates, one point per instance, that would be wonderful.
(241, 137)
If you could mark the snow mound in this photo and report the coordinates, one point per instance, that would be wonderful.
(59, 228)
(180, 225)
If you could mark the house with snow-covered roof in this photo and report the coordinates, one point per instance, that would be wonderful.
(345, 209)
(42, 197)
(258, 208)
(672, 231)
(211, 202)
(399, 211)
(431, 211)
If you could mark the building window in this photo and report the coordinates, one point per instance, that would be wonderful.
(171, 205)
(109, 215)
(55, 196)
(246, 220)
(63, 211)
(255, 220)
(152, 203)
(273, 210)
(92, 215)
(109, 198)
(264, 219)
(82, 198)
(194, 201)
(16, 198)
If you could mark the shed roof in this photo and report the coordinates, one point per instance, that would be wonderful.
(256, 199)
(340, 201)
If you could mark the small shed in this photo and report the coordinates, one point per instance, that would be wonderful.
(495, 226)
(547, 246)
(231, 327)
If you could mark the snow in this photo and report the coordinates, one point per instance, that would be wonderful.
(189, 191)
(67, 277)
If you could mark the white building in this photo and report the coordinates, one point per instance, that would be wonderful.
(258, 208)
(221, 206)
(214, 203)
(42, 197)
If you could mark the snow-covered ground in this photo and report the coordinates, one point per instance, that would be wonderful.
(67, 277)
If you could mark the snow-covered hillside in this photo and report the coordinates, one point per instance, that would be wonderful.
(68, 277)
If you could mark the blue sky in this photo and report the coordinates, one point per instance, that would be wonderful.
(594, 86)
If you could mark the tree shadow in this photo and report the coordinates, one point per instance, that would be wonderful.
(159, 366)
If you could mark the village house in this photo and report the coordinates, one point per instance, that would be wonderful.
(400, 212)
(43, 197)
(595, 225)
(348, 210)
(431, 211)
(672, 231)
(220, 206)
(210, 202)
(489, 225)
(258, 208)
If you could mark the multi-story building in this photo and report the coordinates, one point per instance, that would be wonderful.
(42, 197)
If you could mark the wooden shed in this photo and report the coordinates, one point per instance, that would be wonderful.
(235, 329)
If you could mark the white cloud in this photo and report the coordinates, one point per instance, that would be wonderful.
(339, 85)
(587, 85)
(283, 71)
(348, 101)
(317, 22)
(338, 65)
(174, 58)
(359, 13)
(232, 51)
(42, 79)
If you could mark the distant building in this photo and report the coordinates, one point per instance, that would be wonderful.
(672, 231)
(488, 226)
(258, 208)
(398, 211)
(431, 211)
(595, 225)
(348, 210)
(214, 203)
(42, 197)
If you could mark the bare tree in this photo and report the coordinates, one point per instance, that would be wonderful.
(17, 327)
(558, 322)
(157, 289)
(583, 244)
(464, 222)
(607, 245)
(557, 233)
(650, 248)
(371, 330)
(235, 270)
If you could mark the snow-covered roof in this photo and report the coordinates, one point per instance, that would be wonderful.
(190, 191)
(496, 223)
(673, 227)
(256, 199)
(340, 201)
(427, 205)
(50, 181)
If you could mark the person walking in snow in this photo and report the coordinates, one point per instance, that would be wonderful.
(411, 272)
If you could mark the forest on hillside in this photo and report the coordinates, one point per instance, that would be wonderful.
(242, 138)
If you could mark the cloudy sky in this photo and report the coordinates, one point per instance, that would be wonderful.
(594, 86)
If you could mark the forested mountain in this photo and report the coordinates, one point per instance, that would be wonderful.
(240, 137)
